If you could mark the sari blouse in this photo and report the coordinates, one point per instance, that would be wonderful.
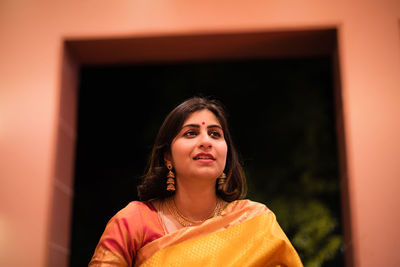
(245, 234)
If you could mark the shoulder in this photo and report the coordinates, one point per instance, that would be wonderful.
(135, 211)
(133, 219)
(248, 204)
(246, 207)
(125, 233)
(135, 207)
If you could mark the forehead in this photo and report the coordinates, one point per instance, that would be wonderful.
(200, 116)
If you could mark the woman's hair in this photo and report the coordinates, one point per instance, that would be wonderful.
(155, 180)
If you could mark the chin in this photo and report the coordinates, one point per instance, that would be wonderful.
(208, 175)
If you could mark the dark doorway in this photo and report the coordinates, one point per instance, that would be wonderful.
(282, 117)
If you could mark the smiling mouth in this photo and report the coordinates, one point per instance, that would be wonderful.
(203, 157)
(199, 158)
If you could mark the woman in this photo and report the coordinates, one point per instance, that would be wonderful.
(190, 213)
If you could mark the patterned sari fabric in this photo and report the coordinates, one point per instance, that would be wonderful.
(246, 234)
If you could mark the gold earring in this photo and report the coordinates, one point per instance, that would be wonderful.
(170, 178)
(221, 181)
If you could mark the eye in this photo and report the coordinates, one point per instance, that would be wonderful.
(215, 134)
(190, 133)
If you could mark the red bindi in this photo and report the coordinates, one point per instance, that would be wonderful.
(203, 123)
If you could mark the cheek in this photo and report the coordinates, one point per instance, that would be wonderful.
(223, 153)
(180, 153)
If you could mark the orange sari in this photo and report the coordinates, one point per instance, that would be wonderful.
(246, 234)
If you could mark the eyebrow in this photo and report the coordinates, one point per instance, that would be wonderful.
(198, 126)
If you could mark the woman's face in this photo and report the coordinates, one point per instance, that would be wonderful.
(199, 150)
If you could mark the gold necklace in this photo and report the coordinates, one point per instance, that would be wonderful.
(184, 221)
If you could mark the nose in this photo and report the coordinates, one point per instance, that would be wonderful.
(205, 141)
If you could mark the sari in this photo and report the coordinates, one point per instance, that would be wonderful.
(245, 234)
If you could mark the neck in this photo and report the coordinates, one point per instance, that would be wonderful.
(195, 201)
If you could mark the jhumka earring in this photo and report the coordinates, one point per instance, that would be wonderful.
(221, 181)
(170, 178)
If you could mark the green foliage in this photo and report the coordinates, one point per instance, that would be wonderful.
(313, 228)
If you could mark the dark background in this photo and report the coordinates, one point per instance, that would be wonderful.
(282, 118)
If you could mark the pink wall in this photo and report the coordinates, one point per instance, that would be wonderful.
(32, 121)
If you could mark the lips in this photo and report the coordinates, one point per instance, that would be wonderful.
(204, 156)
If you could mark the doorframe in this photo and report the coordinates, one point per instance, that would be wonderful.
(167, 49)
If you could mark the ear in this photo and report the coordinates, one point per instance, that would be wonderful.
(167, 157)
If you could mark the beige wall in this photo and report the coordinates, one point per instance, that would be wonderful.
(31, 118)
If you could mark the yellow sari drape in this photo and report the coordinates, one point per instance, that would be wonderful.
(247, 234)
